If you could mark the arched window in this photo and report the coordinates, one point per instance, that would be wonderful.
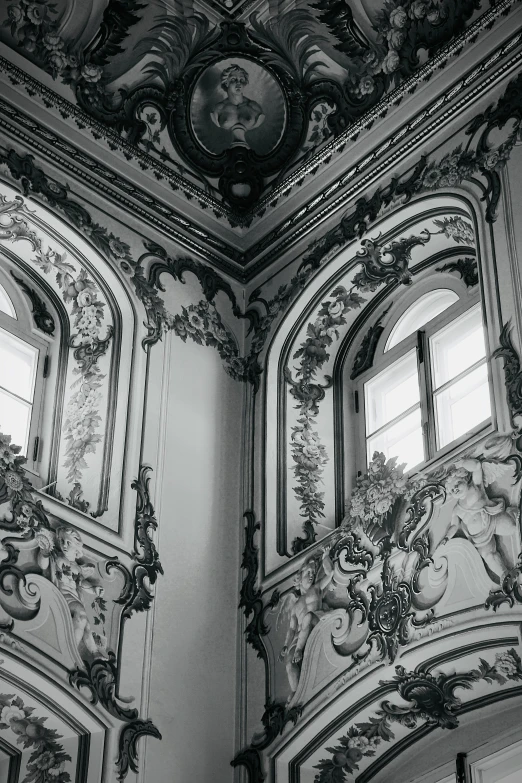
(22, 365)
(428, 388)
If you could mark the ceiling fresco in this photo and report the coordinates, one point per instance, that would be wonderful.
(232, 98)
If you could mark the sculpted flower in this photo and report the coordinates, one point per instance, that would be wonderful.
(491, 160)
(117, 248)
(15, 14)
(91, 73)
(36, 13)
(7, 456)
(57, 769)
(506, 664)
(196, 321)
(418, 9)
(13, 481)
(52, 41)
(396, 38)
(398, 17)
(45, 761)
(431, 178)
(367, 85)
(383, 505)
(358, 742)
(336, 308)
(373, 61)
(57, 61)
(391, 62)
(433, 16)
(357, 507)
(373, 493)
(10, 713)
(84, 298)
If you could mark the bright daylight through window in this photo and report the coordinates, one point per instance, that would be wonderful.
(434, 387)
(18, 366)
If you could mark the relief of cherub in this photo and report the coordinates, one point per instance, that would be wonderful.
(304, 612)
(61, 554)
(480, 517)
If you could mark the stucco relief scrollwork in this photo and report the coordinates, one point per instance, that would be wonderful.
(90, 339)
(390, 577)
(39, 548)
(430, 698)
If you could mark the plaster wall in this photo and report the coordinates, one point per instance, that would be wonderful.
(192, 677)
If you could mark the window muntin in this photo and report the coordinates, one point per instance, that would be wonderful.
(18, 366)
(457, 347)
(460, 377)
(434, 387)
(6, 304)
(423, 310)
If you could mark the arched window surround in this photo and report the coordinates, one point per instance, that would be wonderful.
(122, 366)
(468, 299)
(277, 407)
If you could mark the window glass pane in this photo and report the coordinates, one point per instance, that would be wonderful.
(18, 362)
(15, 417)
(458, 346)
(423, 310)
(462, 405)
(391, 392)
(402, 440)
(6, 305)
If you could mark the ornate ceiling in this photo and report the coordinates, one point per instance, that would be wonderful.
(238, 126)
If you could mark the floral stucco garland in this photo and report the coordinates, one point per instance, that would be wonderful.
(375, 493)
(80, 292)
(308, 453)
(397, 25)
(47, 761)
(431, 700)
(33, 25)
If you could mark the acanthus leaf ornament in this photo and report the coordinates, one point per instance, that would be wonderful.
(431, 701)
(41, 315)
(127, 744)
(512, 375)
(138, 594)
(364, 356)
(465, 267)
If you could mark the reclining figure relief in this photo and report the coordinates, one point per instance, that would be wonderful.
(304, 610)
(481, 518)
(61, 556)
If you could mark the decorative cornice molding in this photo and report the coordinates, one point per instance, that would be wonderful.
(118, 189)
(299, 217)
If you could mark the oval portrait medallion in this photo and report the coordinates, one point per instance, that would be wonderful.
(237, 102)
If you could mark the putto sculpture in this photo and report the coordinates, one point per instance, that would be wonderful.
(61, 555)
(305, 609)
(480, 517)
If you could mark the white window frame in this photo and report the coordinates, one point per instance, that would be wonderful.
(467, 300)
(21, 328)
